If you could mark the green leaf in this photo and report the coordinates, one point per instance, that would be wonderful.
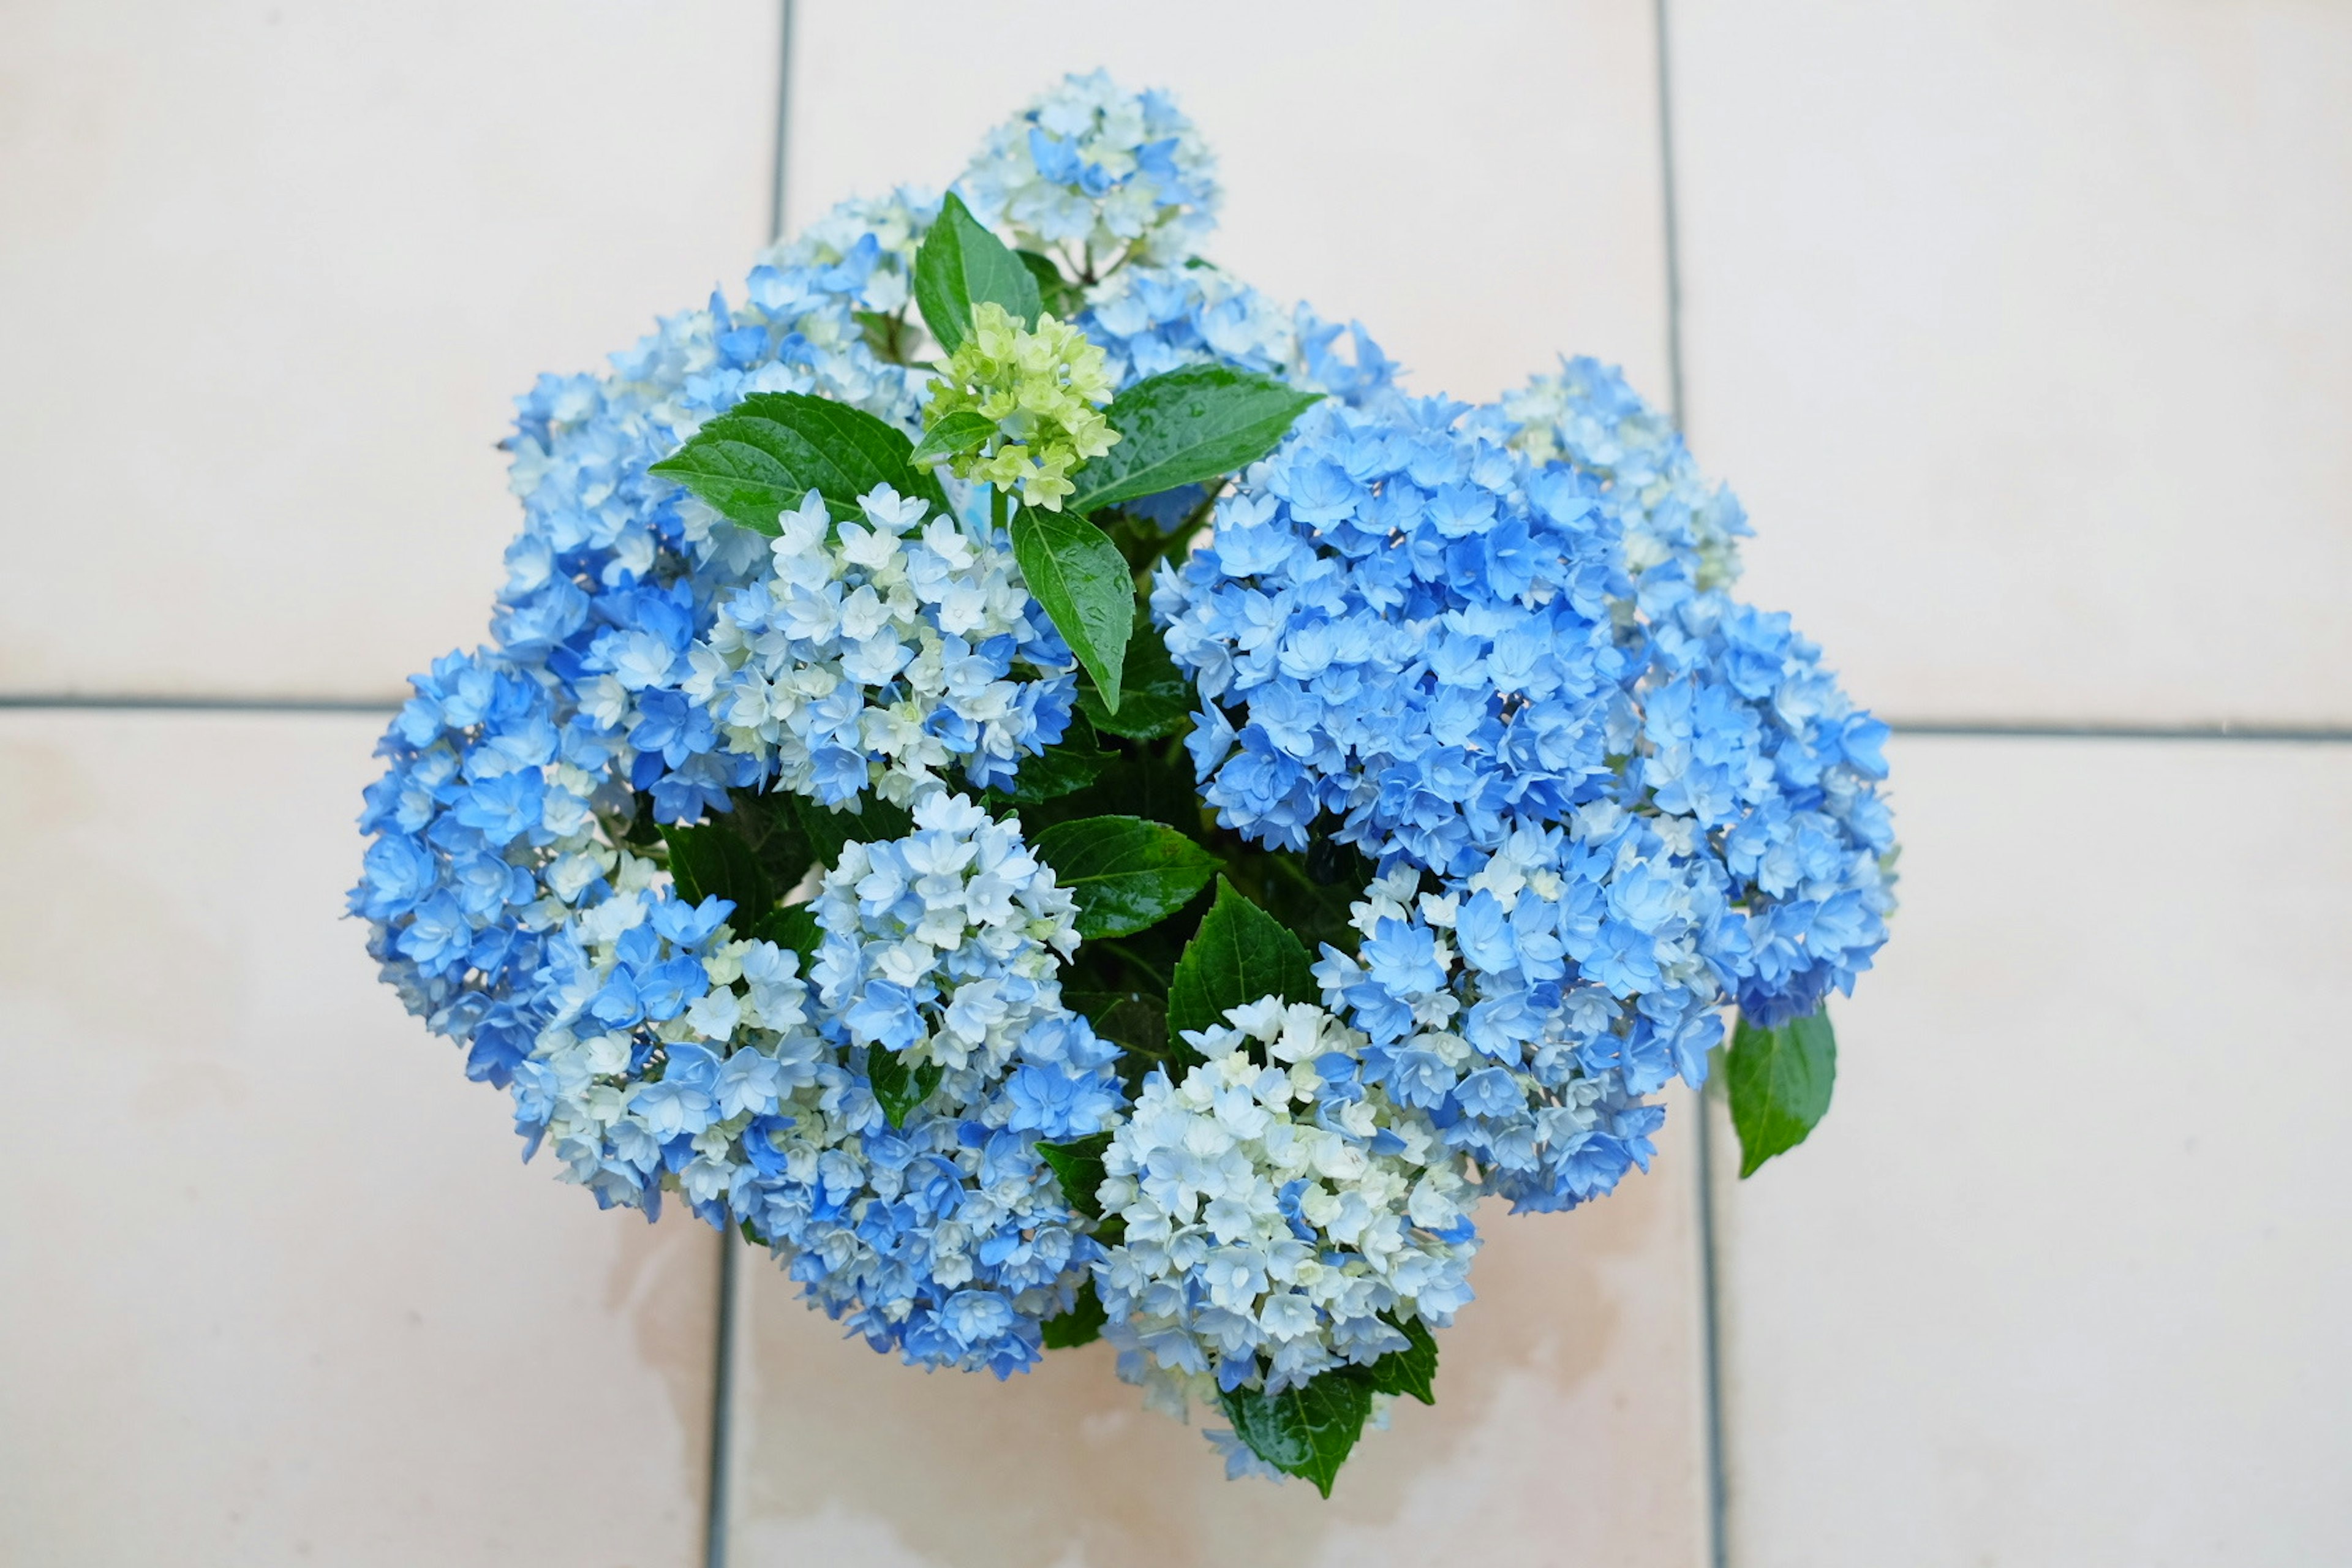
(1156, 699)
(1054, 294)
(772, 827)
(1239, 954)
(1137, 782)
(961, 265)
(712, 862)
(1412, 1370)
(1081, 1325)
(827, 830)
(1185, 426)
(1079, 1165)
(794, 926)
(1779, 1081)
(765, 454)
(1126, 873)
(1061, 769)
(1134, 1021)
(1078, 575)
(1305, 1431)
(886, 335)
(898, 1087)
(959, 433)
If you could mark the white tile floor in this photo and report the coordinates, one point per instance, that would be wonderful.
(279, 1287)
(1996, 316)
(272, 273)
(2064, 1276)
(2021, 326)
(1525, 131)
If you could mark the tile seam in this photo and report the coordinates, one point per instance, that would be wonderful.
(1715, 1505)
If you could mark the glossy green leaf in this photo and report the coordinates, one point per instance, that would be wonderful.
(898, 1087)
(1156, 699)
(1081, 1325)
(961, 432)
(1412, 1370)
(888, 335)
(1185, 426)
(1079, 576)
(772, 827)
(1055, 295)
(1239, 954)
(1064, 768)
(1780, 1081)
(1078, 1164)
(713, 861)
(1305, 1431)
(961, 265)
(1126, 873)
(763, 456)
(1134, 1021)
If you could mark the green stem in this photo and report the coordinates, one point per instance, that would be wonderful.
(996, 509)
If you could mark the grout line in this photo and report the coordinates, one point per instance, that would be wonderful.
(776, 213)
(1718, 1547)
(722, 1407)
(1674, 401)
(716, 1543)
(135, 702)
(2318, 734)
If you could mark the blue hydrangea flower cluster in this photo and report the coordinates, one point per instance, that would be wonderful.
(1495, 648)
(1415, 622)
(643, 1043)
(1476, 645)
(1105, 175)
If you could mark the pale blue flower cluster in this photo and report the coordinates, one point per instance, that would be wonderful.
(1605, 800)
(947, 1237)
(1588, 417)
(1283, 1212)
(876, 654)
(1103, 174)
(614, 575)
(945, 946)
(644, 1043)
(1414, 623)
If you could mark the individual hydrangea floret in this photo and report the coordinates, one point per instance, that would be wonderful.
(877, 654)
(1042, 388)
(1099, 173)
(1283, 1215)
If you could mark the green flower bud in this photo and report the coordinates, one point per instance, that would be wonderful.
(1044, 389)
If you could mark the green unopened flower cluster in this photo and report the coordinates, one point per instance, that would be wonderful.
(1044, 389)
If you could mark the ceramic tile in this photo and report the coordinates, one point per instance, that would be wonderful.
(1479, 185)
(270, 273)
(2021, 329)
(2062, 1278)
(279, 1288)
(1566, 1431)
